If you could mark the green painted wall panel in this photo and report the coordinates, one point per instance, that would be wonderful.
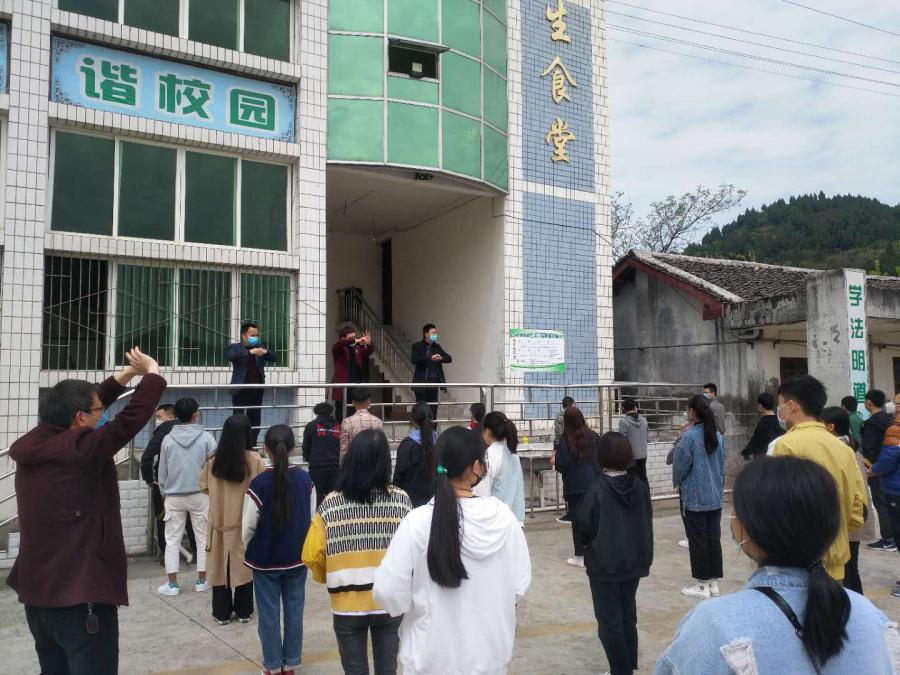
(498, 7)
(365, 16)
(496, 165)
(461, 82)
(462, 145)
(495, 108)
(412, 90)
(495, 43)
(414, 18)
(355, 65)
(412, 135)
(461, 26)
(355, 130)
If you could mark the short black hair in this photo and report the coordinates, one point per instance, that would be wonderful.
(807, 392)
(185, 409)
(849, 403)
(323, 408)
(346, 330)
(614, 452)
(360, 395)
(166, 407)
(366, 469)
(712, 387)
(876, 397)
(567, 401)
(477, 410)
(427, 327)
(59, 404)
(766, 400)
(247, 325)
(629, 404)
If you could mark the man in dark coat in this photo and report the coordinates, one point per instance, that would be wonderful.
(248, 360)
(767, 429)
(872, 431)
(71, 569)
(350, 357)
(429, 358)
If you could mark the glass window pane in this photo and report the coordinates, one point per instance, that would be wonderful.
(144, 298)
(204, 317)
(214, 22)
(83, 184)
(267, 28)
(146, 191)
(263, 206)
(73, 331)
(156, 15)
(209, 199)
(266, 301)
(102, 9)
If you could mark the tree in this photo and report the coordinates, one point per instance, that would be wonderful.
(673, 223)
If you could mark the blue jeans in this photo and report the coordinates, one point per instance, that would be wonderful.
(275, 589)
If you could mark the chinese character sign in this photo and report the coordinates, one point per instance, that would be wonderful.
(856, 332)
(107, 79)
(537, 351)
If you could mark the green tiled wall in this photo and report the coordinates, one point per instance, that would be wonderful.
(363, 16)
(409, 89)
(355, 65)
(462, 145)
(355, 130)
(414, 19)
(461, 80)
(412, 135)
(495, 107)
(461, 23)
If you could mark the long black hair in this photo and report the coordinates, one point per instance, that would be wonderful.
(229, 462)
(841, 420)
(421, 417)
(789, 507)
(502, 429)
(578, 436)
(457, 450)
(279, 442)
(704, 414)
(366, 470)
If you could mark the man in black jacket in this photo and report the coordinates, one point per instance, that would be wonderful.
(872, 441)
(322, 450)
(429, 358)
(767, 429)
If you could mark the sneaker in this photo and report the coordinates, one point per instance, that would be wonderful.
(565, 519)
(201, 586)
(895, 591)
(223, 622)
(882, 545)
(714, 588)
(577, 561)
(890, 546)
(168, 588)
(698, 591)
(684, 543)
(244, 619)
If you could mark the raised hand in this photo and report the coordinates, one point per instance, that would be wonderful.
(140, 363)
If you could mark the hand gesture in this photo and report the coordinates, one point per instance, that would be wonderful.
(436, 357)
(141, 363)
(365, 339)
(258, 351)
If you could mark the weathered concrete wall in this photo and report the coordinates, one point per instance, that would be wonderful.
(882, 303)
(827, 337)
(767, 312)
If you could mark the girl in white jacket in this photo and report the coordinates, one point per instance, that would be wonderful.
(455, 570)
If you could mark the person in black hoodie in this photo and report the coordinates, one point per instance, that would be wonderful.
(322, 450)
(575, 457)
(767, 429)
(414, 472)
(872, 432)
(616, 519)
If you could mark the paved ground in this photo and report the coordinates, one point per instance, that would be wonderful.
(557, 632)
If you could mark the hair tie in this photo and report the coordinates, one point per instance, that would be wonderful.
(817, 565)
(441, 471)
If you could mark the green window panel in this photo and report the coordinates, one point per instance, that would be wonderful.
(264, 205)
(209, 203)
(461, 83)
(83, 181)
(101, 9)
(496, 163)
(73, 330)
(461, 26)
(498, 7)
(266, 301)
(462, 145)
(355, 65)
(144, 307)
(214, 22)
(160, 16)
(355, 130)
(495, 44)
(410, 89)
(146, 191)
(495, 104)
(414, 18)
(363, 16)
(267, 28)
(204, 321)
(412, 135)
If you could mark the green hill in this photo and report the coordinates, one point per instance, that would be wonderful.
(812, 231)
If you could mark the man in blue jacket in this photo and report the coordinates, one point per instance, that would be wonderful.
(429, 358)
(248, 359)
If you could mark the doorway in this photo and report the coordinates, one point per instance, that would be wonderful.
(387, 284)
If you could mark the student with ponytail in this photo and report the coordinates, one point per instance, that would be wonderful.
(455, 570)
(504, 469)
(277, 513)
(792, 617)
(414, 469)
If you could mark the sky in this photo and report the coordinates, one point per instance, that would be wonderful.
(677, 122)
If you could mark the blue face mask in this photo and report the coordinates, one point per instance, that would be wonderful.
(705, 394)
(104, 418)
(433, 338)
(253, 340)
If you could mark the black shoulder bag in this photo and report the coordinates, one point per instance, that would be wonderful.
(785, 608)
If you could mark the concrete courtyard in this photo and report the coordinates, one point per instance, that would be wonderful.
(556, 630)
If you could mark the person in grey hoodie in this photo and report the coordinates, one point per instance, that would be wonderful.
(184, 451)
(635, 427)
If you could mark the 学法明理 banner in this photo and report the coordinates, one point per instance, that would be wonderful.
(537, 351)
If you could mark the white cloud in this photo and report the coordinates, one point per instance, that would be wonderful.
(677, 122)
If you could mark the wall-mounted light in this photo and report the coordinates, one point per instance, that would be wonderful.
(421, 175)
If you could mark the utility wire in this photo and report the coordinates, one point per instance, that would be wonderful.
(750, 32)
(842, 18)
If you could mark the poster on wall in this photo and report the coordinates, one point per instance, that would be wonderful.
(857, 338)
(537, 351)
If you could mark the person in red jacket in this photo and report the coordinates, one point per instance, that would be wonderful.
(350, 355)
(71, 569)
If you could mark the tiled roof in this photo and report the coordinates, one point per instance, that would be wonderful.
(884, 283)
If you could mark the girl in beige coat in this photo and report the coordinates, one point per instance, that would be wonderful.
(225, 477)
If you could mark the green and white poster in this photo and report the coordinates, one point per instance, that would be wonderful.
(537, 351)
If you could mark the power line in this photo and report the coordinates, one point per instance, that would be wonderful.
(751, 32)
(842, 18)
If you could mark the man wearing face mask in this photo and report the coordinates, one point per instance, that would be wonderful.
(71, 569)
(429, 358)
(350, 356)
(248, 360)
